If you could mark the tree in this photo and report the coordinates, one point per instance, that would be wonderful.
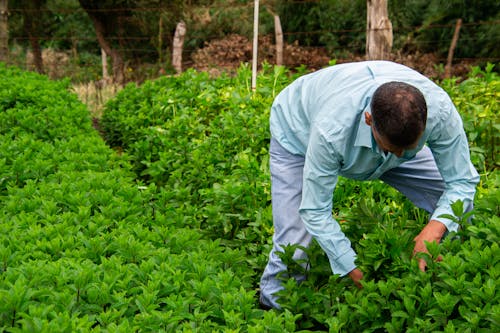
(32, 18)
(4, 30)
(107, 24)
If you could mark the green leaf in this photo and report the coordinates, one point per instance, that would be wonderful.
(400, 314)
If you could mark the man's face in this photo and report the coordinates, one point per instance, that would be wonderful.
(384, 143)
(386, 146)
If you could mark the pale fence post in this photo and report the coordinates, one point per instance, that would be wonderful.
(378, 30)
(178, 44)
(447, 68)
(278, 36)
(279, 40)
(255, 43)
(104, 62)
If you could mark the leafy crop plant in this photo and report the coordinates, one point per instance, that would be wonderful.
(172, 233)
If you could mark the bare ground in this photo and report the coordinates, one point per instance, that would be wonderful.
(227, 54)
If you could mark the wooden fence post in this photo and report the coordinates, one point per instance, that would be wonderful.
(378, 30)
(255, 43)
(180, 33)
(447, 68)
(279, 40)
(278, 36)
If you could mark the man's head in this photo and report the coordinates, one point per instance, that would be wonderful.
(398, 116)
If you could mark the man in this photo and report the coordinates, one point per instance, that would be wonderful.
(365, 120)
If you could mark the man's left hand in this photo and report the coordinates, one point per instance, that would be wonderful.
(432, 232)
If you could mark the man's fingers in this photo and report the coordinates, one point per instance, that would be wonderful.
(356, 275)
(419, 245)
(422, 264)
(358, 284)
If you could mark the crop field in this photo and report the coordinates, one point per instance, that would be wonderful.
(163, 224)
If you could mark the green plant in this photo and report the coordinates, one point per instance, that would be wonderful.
(477, 100)
(172, 233)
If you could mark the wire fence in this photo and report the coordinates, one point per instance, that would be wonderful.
(74, 36)
(145, 46)
(215, 39)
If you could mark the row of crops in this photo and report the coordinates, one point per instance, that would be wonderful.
(164, 223)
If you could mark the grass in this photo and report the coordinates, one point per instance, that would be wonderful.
(95, 94)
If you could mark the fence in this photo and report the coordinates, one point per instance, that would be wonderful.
(228, 49)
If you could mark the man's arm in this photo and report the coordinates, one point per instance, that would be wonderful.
(448, 143)
(321, 170)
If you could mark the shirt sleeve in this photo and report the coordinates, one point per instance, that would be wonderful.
(449, 145)
(321, 171)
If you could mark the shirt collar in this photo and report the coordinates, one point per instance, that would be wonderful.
(364, 136)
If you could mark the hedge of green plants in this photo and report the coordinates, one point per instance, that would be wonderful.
(169, 230)
(86, 247)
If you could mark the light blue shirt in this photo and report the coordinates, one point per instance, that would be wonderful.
(321, 116)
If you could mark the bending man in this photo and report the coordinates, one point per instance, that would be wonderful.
(366, 120)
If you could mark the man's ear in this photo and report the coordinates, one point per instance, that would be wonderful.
(368, 118)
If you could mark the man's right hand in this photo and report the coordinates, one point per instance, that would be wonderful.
(356, 275)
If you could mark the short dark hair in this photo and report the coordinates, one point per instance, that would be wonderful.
(399, 113)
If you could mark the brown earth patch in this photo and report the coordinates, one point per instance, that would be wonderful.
(226, 55)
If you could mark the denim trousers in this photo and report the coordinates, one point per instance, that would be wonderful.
(418, 179)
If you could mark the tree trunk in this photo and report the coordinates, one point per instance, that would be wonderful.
(160, 42)
(116, 58)
(99, 18)
(4, 30)
(104, 62)
(180, 33)
(37, 54)
(32, 16)
(378, 30)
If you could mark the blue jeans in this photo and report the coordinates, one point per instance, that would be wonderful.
(418, 179)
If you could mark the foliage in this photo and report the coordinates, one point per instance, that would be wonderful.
(60, 20)
(142, 31)
(171, 232)
(417, 25)
(421, 26)
(83, 247)
(341, 24)
(206, 140)
(477, 100)
(216, 19)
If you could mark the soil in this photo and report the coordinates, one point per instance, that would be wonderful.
(227, 54)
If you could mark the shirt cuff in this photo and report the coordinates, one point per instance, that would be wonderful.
(344, 264)
(449, 224)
